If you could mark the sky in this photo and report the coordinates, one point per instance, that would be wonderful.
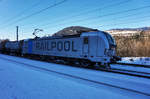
(54, 15)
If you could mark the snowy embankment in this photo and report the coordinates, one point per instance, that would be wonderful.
(140, 61)
(136, 60)
(19, 81)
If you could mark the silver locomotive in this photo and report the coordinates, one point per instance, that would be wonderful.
(87, 49)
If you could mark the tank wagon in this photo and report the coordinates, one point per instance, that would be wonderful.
(87, 49)
(2, 46)
(13, 47)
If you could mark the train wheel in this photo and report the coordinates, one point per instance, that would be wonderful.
(76, 63)
(84, 64)
(92, 64)
(105, 66)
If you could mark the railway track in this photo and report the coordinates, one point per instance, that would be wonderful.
(123, 68)
(144, 73)
(134, 65)
(76, 77)
(131, 73)
(128, 72)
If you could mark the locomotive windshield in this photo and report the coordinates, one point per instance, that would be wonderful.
(110, 39)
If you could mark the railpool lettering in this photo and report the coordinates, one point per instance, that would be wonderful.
(55, 45)
(59, 46)
(73, 49)
(67, 45)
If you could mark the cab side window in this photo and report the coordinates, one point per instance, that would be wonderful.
(86, 40)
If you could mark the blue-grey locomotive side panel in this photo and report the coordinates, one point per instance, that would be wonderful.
(66, 47)
(27, 47)
(94, 46)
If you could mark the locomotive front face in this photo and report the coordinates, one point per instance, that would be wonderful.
(112, 46)
(111, 52)
(101, 46)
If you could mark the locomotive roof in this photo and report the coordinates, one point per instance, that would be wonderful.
(69, 32)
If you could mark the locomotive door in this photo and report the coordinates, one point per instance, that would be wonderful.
(85, 46)
(100, 47)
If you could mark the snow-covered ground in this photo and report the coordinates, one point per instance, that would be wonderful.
(18, 81)
(136, 60)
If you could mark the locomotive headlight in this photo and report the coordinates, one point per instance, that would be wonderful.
(106, 52)
(112, 47)
(110, 51)
(113, 50)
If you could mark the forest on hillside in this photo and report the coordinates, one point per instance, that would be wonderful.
(133, 46)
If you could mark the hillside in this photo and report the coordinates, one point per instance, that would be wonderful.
(130, 31)
(133, 29)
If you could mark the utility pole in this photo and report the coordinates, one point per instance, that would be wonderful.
(17, 32)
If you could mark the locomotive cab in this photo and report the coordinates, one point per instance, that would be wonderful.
(100, 47)
(112, 46)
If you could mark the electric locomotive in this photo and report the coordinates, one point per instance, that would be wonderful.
(87, 48)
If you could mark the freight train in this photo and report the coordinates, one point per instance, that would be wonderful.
(87, 49)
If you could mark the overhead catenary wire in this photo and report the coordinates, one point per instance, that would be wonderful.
(109, 14)
(22, 13)
(117, 18)
(89, 11)
(38, 12)
(132, 21)
(105, 15)
(144, 18)
(97, 17)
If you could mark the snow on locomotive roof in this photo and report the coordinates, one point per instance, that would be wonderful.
(73, 30)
